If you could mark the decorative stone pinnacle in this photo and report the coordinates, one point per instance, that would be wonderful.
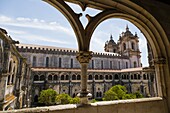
(84, 56)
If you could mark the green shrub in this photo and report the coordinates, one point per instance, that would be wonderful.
(75, 100)
(63, 99)
(47, 97)
(119, 92)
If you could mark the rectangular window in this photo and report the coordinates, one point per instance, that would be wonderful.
(119, 64)
(71, 63)
(47, 62)
(34, 61)
(126, 64)
(110, 64)
(60, 62)
(102, 64)
(92, 65)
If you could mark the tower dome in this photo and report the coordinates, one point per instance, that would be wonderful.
(110, 46)
(111, 41)
(127, 32)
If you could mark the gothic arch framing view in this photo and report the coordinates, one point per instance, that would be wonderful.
(128, 10)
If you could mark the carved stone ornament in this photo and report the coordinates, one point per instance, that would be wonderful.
(84, 56)
(159, 60)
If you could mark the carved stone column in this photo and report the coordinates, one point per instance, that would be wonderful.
(84, 57)
(159, 63)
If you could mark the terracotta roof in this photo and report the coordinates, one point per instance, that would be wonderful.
(89, 70)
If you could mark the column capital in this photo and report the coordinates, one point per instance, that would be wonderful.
(84, 56)
(159, 60)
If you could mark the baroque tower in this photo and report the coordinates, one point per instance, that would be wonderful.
(128, 45)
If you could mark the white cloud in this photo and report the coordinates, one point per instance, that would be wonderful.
(36, 24)
(18, 32)
(37, 38)
(5, 19)
(23, 19)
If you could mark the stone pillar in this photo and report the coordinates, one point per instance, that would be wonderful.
(162, 79)
(159, 65)
(18, 83)
(3, 86)
(84, 57)
(4, 74)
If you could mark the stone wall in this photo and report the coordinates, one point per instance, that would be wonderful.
(145, 105)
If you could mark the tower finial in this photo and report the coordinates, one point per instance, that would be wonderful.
(111, 38)
(127, 28)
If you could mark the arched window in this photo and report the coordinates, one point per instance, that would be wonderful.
(100, 94)
(90, 77)
(9, 77)
(135, 65)
(36, 78)
(60, 62)
(133, 45)
(132, 77)
(78, 77)
(97, 94)
(144, 76)
(50, 77)
(12, 81)
(106, 77)
(42, 77)
(101, 77)
(135, 76)
(67, 77)
(62, 77)
(96, 77)
(47, 62)
(55, 77)
(110, 77)
(34, 61)
(116, 76)
(147, 76)
(122, 76)
(10, 66)
(74, 77)
(124, 46)
(139, 76)
(125, 77)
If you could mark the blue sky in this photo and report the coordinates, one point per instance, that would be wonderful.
(36, 22)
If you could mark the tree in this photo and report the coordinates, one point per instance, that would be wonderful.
(119, 92)
(75, 100)
(66, 99)
(138, 94)
(63, 99)
(110, 95)
(47, 97)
